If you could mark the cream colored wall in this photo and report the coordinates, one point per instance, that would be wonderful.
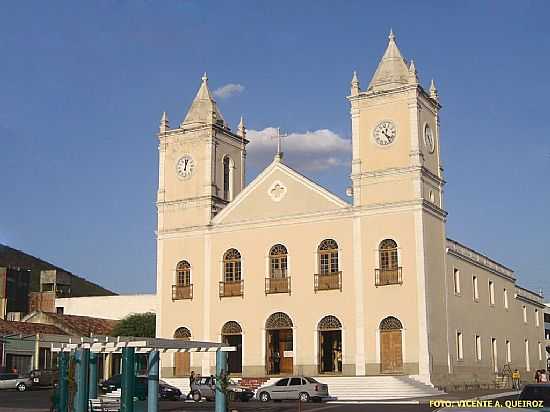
(488, 321)
(108, 307)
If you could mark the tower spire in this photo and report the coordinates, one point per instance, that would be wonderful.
(392, 71)
(204, 109)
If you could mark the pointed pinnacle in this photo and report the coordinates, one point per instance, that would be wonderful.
(354, 79)
(241, 128)
(204, 77)
(433, 91)
(412, 67)
(164, 123)
(391, 36)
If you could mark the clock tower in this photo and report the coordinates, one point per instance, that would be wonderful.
(201, 164)
(395, 129)
(398, 196)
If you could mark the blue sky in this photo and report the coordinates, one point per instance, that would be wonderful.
(83, 85)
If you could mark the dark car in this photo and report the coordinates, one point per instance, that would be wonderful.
(536, 392)
(44, 377)
(205, 388)
(166, 391)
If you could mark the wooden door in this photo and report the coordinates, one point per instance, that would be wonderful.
(286, 351)
(183, 362)
(391, 355)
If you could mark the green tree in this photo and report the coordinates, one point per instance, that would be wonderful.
(138, 324)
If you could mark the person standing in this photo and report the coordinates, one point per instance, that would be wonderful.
(537, 376)
(543, 376)
(516, 376)
(191, 382)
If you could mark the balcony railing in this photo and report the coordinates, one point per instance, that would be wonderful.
(385, 277)
(233, 288)
(277, 285)
(180, 292)
(328, 281)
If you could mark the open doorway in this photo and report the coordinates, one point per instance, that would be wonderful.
(330, 345)
(232, 335)
(279, 345)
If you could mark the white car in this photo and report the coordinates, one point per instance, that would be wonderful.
(13, 381)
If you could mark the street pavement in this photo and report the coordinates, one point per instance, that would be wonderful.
(39, 400)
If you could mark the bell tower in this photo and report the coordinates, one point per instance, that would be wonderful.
(201, 164)
(395, 129)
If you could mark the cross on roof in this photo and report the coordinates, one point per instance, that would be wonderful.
(279, 136)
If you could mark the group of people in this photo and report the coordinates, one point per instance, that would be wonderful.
(541, 376)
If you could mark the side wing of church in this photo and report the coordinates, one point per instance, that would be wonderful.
(303, 282)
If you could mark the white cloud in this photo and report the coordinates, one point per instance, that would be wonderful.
(310, 151)
(228, 90)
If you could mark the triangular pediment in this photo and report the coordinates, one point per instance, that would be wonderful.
(279, 191)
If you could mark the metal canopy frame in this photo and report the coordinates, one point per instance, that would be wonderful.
(84, 351)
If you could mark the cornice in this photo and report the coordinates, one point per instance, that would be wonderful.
(477, 259)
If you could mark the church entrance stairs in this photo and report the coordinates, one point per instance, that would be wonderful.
(348, 388)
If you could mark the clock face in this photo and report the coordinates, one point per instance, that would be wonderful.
(429, 139)
(385, 133)
(185, 166)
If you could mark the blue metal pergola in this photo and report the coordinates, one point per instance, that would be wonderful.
(85, 356)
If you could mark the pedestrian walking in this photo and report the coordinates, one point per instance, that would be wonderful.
(516, 377)
(537, 376)
(543, 376)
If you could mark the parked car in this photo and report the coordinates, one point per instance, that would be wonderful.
(44, 377)
(166, 391)
(294, 387)
(205, 388)
(14, 381)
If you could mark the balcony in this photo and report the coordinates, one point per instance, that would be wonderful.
(180, 292)
(328, 281)
(385, 277)
(234, 288)
(277, 285)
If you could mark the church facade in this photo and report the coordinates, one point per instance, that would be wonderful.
(303, 282)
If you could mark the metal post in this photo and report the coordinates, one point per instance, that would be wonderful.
(128, 378)
(93, 376)
(63, 385)
(81, 399)
(221, 371)
(153, 381)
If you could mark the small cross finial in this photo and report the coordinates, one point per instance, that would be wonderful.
(279, 136)
(204, 77)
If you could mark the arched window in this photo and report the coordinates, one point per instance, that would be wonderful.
(231, 328)
(389, 272)
(328, 257)
(388, 255)
(232, 266)
(329, 322)
(278, 320)
(182, 333)
(390, 323)
(228, 166)
(278, 256)
(183, 273)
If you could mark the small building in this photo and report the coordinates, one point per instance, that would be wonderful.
(107, 307)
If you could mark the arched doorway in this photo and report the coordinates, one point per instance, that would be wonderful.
(279, 345)
(232, 334)
(391, 347)
(330, 345)
(182, 360)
